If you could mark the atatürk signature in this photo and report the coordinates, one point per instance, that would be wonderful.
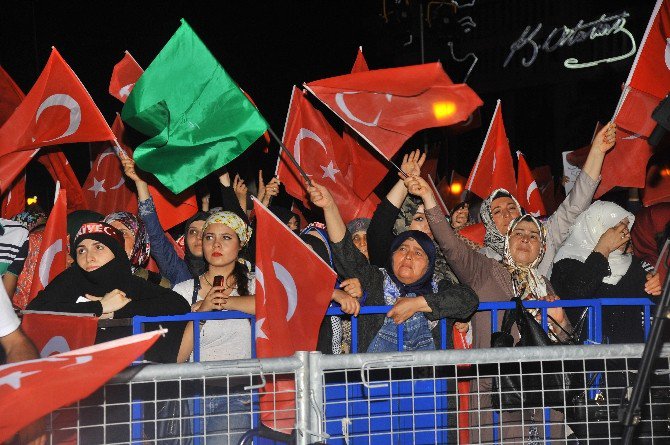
(565, 37)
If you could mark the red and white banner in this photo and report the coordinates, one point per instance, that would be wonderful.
(57, 110)
(52, 258)
(124, 76)
(528, 193)
(59, 168)
(387, 106)
(494, 167)
(324, 156)
(56, 333)
(293, 289)
(62, 379)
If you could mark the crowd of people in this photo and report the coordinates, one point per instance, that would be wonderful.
(409, 255)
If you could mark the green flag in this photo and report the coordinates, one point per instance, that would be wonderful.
(197, 118)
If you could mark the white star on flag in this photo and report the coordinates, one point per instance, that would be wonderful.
(259, 329)
(14, 379)
(97, 187)
(329, 171)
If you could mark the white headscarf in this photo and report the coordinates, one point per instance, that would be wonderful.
(588, 229)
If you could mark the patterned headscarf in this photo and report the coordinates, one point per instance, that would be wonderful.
(358, 225)
(142, 248)
(493, 238)
(31, 217)
(233, 221)
(528, 282)
(406, 215)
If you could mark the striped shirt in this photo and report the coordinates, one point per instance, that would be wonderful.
(13, 246)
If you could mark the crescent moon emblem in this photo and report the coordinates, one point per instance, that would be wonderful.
(286, 279)
(65, 101)
(121, 182)
(47, 259)
(56, 345)
(125, 90)
(304, 133)
(494, 162)
(103, 155)
(632, 136)
(667, 53)
(531, 187)
(339, 100)
(260, 279)
(9, 196)
(80, 361)
(259, 329)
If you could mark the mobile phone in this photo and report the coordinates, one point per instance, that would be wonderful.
(218, 280)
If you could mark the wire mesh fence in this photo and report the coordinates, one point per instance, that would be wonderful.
(562, 394)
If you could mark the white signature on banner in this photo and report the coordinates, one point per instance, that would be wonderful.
(532, 42)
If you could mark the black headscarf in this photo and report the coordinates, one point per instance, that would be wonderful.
(423, 285)
(196, 264)
(77, 219)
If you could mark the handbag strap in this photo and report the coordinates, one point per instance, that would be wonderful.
(508, 320)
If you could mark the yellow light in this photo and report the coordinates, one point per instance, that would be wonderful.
(665, 172)
(456, 188)
(443, 110)
(32, 200)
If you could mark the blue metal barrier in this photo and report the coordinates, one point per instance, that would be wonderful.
(438, 386)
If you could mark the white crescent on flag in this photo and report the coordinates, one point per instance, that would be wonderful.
(55, 345)
(67, 102)
(286, 279)
(47, 259)
(339, 100)
(305, 133)
(125, 90)
(667, 54)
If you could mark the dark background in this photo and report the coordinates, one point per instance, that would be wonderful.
(269, 46)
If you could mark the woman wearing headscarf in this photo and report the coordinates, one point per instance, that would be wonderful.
(501, 207)
(101, 282)
(409, 273)
(171, 266)
(649, 234)
(596, 261)
(137, 245)
(518, 275)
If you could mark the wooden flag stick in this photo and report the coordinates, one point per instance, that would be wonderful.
(290, 156)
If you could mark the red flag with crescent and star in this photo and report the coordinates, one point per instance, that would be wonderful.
(293, 289)
(62, 379)
(52, 258)
(387, 106)
(528, 193)
(12, 177)
(647, 84)
(323, 155)
(124, 76)
(57, 110)
(494, 167)
(105, 187)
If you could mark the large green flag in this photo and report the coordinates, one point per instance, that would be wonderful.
(197, 118)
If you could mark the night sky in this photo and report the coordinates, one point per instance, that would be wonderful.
(269, 46)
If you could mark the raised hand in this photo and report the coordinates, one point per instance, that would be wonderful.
(412, 163)
(605, 138)
(128, 165)
(319, 195)
(240, 189)
(261, 187)
(271, 189)
(417, 186)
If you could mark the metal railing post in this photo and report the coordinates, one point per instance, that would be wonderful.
(316, 393)
(302, 391)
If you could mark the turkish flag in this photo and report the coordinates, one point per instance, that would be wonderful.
(626, 164)
(386, 107)
(651, 70)
(57, 110)
(62, 379)
(578, 157)
(528, 194)
(124, 76)
(545, 182)
(11, 166)
(635, 112)
(323, 155)
(494, 167)
(55, 333)
(657, 187)
(173, 209)
(53, 250)
(105, 187)
(293, 289)
(438, 195)
(61, 171)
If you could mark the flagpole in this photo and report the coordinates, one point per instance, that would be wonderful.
(290, 156)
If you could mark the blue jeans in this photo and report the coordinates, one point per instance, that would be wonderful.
(227, 418)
